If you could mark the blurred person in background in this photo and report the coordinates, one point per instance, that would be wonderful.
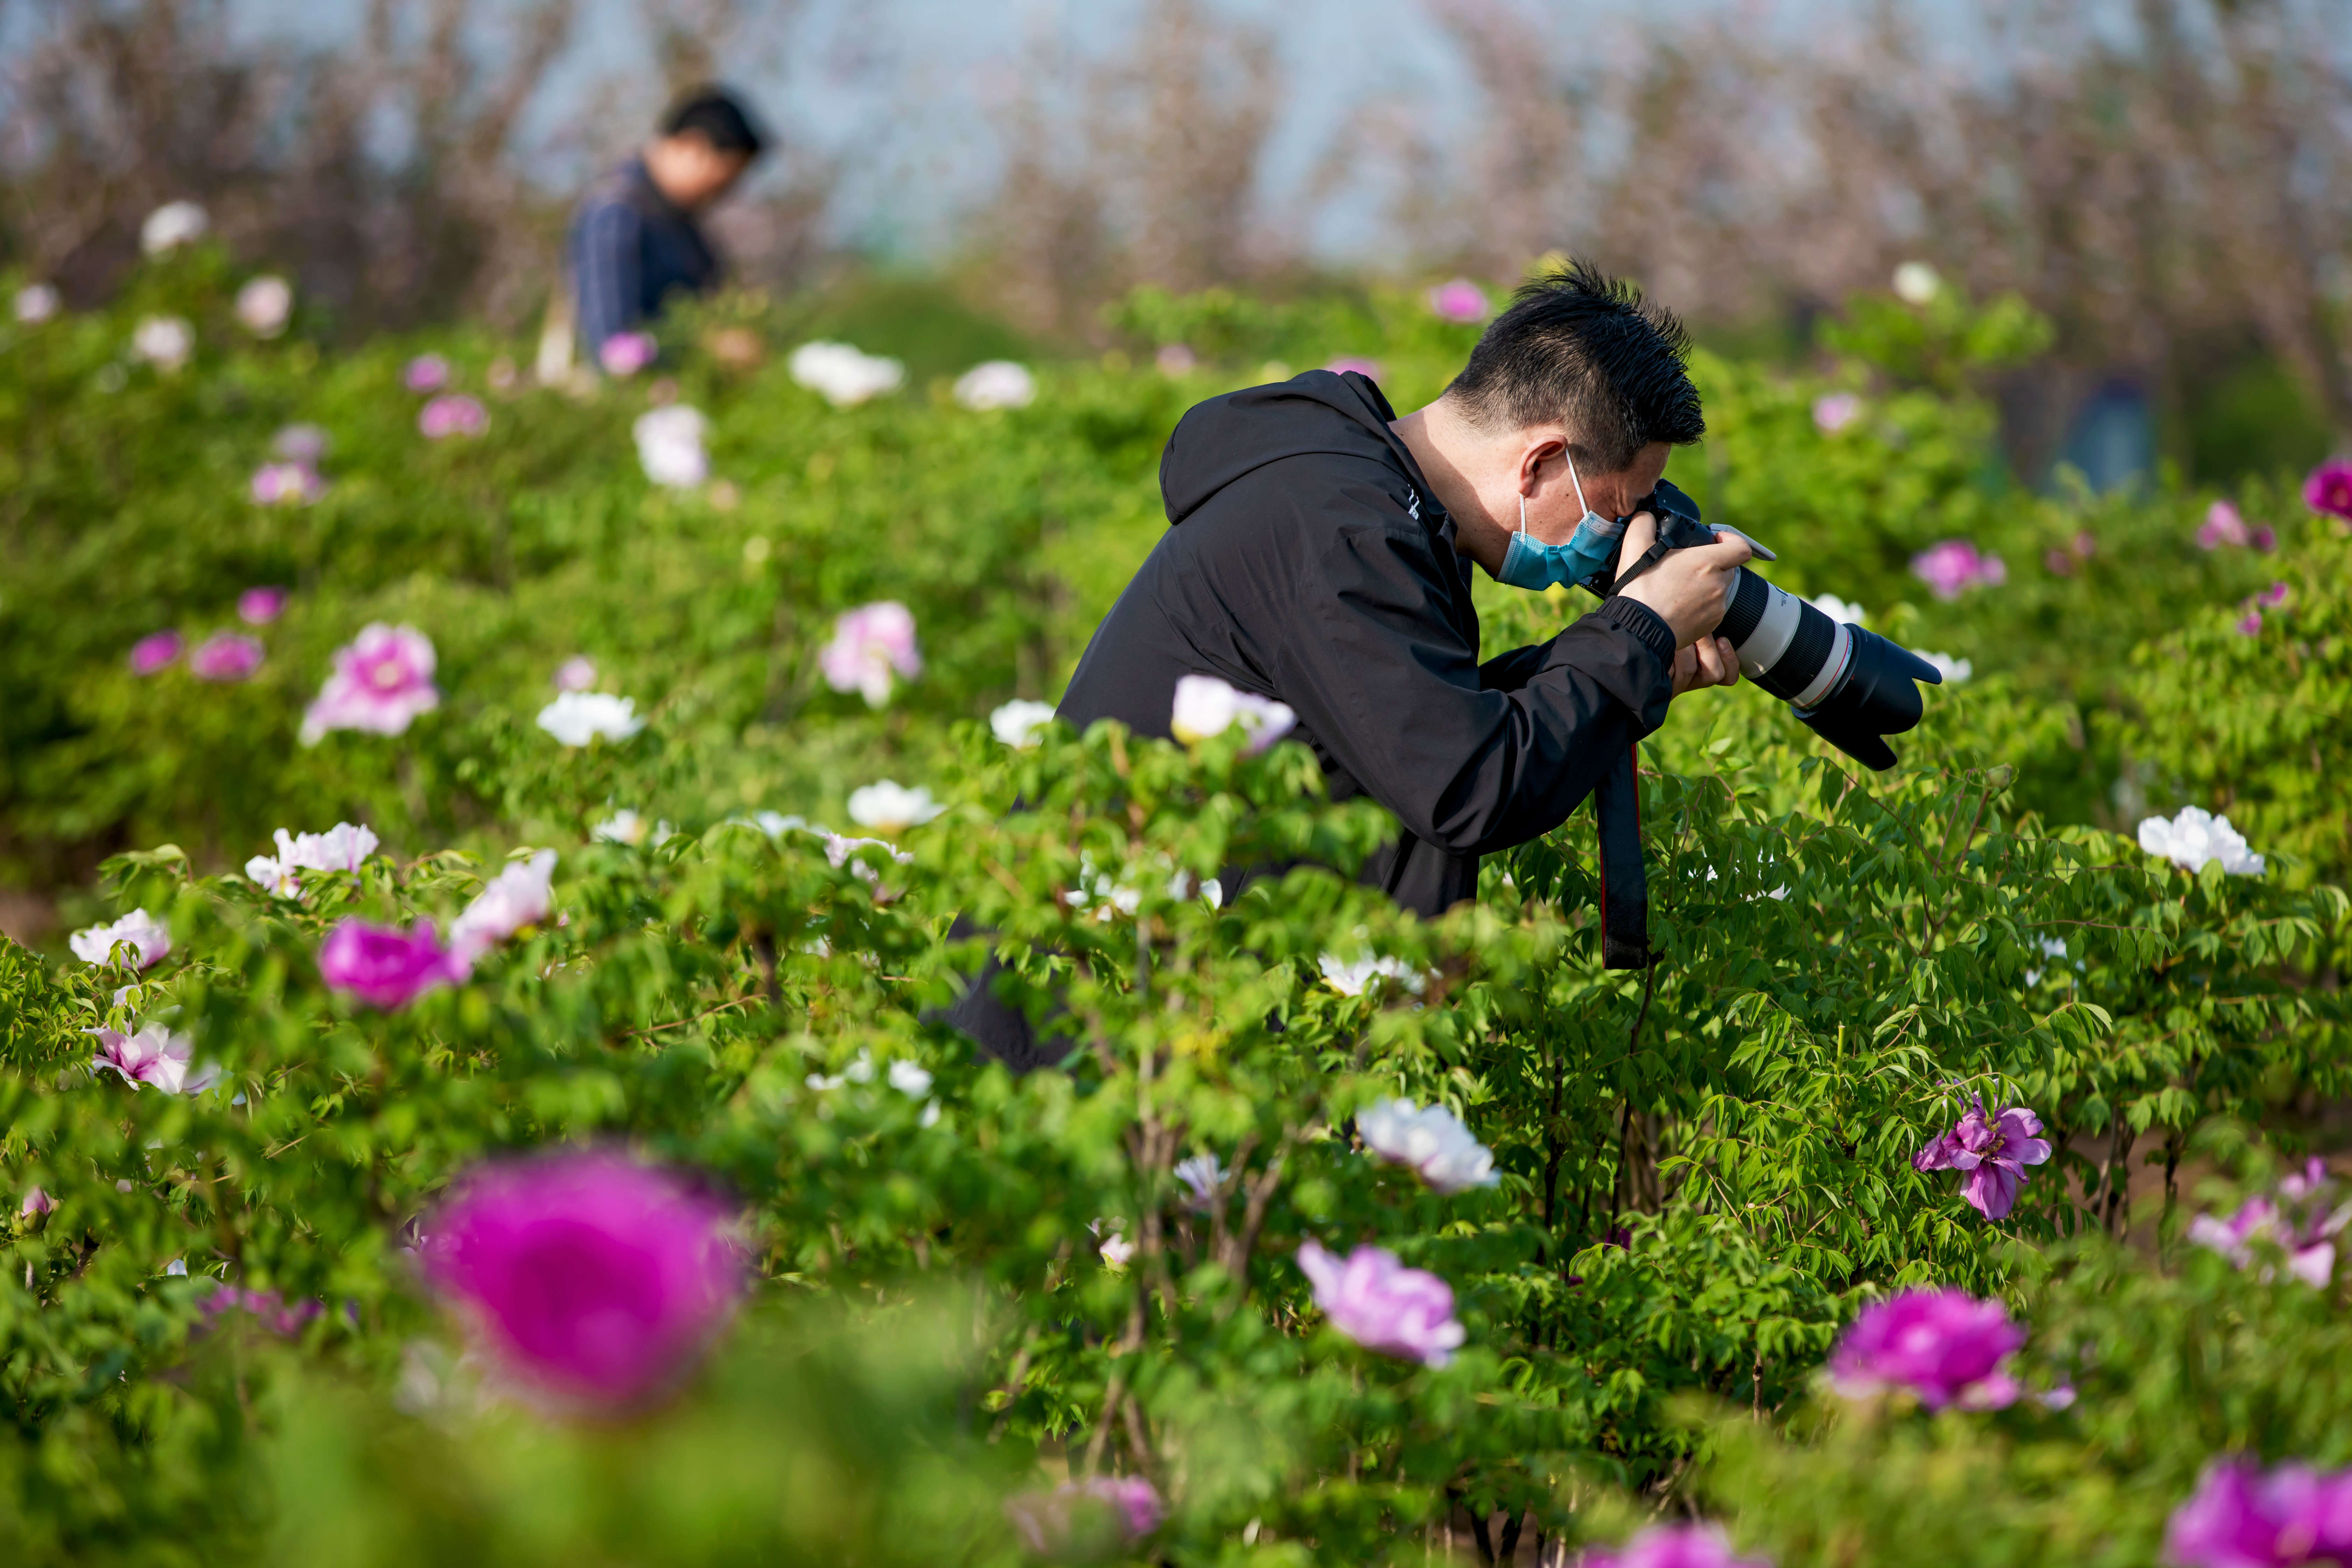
(634, 240)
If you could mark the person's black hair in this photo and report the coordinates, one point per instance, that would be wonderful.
(716, 116)
(1585, 349)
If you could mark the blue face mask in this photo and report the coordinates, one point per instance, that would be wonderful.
(1532, 564)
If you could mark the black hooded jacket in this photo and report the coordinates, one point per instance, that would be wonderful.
(1307, 561)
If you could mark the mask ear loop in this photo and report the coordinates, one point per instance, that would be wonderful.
(1581, 505)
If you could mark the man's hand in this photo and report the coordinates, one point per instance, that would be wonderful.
(1707, 662)
(1690, 589)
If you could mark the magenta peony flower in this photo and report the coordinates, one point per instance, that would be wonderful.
(381, 683)
(1833, 411)
(1673, 1546)
(590, 1281)
(155, 1055)
(2241, 1517)
(384, 968)
(151, 653)
(1370, 369)
(1945, 1346)
(625, 353)
(2222, 525)
(1952, 567)
(225, 656)
(286, 484)
(1054, 1524)
(1994, 1152)
(871, 644)
(2329, 487)
(1459, 301)
(2272, 597)
(1382, 1305)
(452, 413)
(267, 1307)
(426, 372)
(259, 607)
(2250, 625)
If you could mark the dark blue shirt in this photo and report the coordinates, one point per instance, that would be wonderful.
(631, 247)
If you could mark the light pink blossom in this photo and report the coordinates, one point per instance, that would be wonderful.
(519, 895)
(1057, 1525)
(1952, 567)
(2222, 525)
(259, 607)
(154, 1057)
(140, 930)
(575, 674)
(1175, 358)
(382, 681)
(154, 652)
(1672, 1546)
(305, 443)
(872, 646)
(625, 353)
(426, 372)
(286, 484)
(1382, 1305)
(2303, 1220)
(452, 413)
(1459, 301)
(1370, 369)
(225, 656)
(1833, 411)
(36, 1202)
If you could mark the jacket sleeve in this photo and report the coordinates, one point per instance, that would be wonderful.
(607, 265)
(1380, 675)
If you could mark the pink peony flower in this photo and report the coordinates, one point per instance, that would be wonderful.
(384, 968)
(1944, 1345)
(2250, 624)
(2060, 563)
(304, 444)
(142, 931)
(225, 656)
(2302, 1221)
(452, 413)
(1994, 1152)
(519, 895)
(1459, 301)
(1056, 1524)
(153, 1056)
(1175, 358)
(1382, 1305)
(2222, 525)
(2272, 597)
(1370, 369)
(871, 645)
(426, 372)
(1673, 1546)
(2241, 1517)
(259, 607)
(36, 1202)
(266, 1307)
(1954, 566)
(342, 848)
(1833, 411)
(381, 683)
(151, 653)
(2266, 538)
(2084, 544)
(625, 353)
(590, 1281)
(286, 484)
(2329, 487)
(575, 674)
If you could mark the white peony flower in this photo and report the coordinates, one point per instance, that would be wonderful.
(274, 875)
(1433, 1142)
(36, 303)
(1117, 1250)
(909, 1080)
(843, 375)
(577, 718)
(1837, 610)
(1206, 705)
(1349, 976)
(670, 446)
(626, 827)
(997, 383)
(172, 225)
(519, 895)
(140, 929)
(1953, 670)
(2196, 837)
(1916, 283)
(2051, 947)
(265, 305)
(1018, 721)
(891, 807)
(1202, 1175)
(164, 341)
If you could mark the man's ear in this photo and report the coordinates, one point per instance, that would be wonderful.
(1541, 448)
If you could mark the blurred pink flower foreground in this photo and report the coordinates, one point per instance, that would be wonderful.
(1993, 1150)
(259, 607)
(1053, 1524)
(2302, 1221)
(225, 656)
(386, 968)
(426, 372)
(1383, 1306)
(152, 653)
(1954, 566)
(1945, 1346)
(871, 645)
(1458, 300)
(381, 683)
(589, 1280)
(2329, 489)
(2241, 1517)
(452, 414)
(1672, 1546)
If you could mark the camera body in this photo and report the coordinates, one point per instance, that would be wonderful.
(1849, 686)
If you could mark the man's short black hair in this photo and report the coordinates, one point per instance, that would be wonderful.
(718, 117)
(1585, 349)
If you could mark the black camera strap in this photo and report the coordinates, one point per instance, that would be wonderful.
(1624, 883)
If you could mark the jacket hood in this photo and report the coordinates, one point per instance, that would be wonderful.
(1219, 441)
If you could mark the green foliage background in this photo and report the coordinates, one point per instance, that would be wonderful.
(1849, 956)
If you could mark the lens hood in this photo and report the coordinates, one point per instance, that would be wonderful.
(1878, 697)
